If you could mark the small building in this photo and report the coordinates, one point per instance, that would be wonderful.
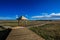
(22, 21)
(22, 18)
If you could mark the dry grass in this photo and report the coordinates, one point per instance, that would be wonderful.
(49, 31)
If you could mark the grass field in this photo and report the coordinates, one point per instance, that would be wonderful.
(49, 31)
(21, 23)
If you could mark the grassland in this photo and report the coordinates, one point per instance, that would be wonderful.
(49, 31)
(8, 23)
(21, 23)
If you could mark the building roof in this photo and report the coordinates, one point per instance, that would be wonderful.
(22, 18)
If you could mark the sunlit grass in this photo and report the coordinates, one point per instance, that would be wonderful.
(49, 31)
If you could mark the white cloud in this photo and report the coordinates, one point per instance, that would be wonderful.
(50, 16)
(55, 14)
(37, 16)
(5, 18)
(41, 16)
(47, 16)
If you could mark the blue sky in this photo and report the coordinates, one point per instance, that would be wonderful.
(32, 9)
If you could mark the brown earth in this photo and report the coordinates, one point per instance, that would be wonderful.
(23, 34)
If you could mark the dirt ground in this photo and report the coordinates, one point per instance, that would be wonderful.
(23, 34)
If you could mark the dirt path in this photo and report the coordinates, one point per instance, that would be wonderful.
(23, 34)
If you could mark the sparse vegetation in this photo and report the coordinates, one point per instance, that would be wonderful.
(49, 31)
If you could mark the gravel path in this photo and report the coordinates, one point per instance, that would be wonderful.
(23, 34)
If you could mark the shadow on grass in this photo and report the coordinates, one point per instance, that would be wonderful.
(4, 34)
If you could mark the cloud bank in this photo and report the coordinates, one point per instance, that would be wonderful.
(6, 18)
(52, 16)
